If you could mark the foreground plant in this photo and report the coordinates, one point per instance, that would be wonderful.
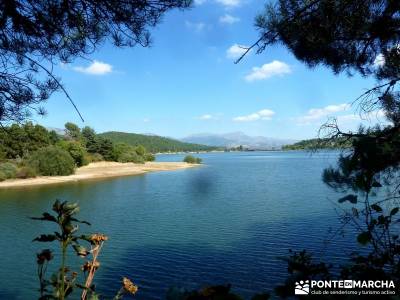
(62, 283)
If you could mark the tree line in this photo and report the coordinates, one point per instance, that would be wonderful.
(28, 150)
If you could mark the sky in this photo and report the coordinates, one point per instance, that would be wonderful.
(187, 83)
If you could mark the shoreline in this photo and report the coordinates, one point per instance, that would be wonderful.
(98, 170)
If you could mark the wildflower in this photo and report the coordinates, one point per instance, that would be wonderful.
(89, 265)
(129, 286)
(97, 238)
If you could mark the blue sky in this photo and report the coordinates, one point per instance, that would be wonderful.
(187, 82)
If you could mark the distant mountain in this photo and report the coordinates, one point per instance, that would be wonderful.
(154, 143)
(236, 139)
(59, 131)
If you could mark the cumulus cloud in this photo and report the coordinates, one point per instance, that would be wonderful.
(274, 68)
(228, 19)
(264, 114)
(95, 68)
(316, 114)
(235, 51)
(196, 26)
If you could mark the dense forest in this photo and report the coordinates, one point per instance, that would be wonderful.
(313, 144)
(153, 143)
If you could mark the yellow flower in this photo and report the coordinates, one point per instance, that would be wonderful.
(129, 286)
(96, 238)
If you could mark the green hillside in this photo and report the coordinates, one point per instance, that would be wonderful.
(313, 144)
(154, 143)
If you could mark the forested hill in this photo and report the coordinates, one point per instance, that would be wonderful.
(339, 143)
(154, 143)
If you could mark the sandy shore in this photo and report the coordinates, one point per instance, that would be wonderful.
(98, 170)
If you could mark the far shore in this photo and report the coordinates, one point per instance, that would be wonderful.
(98, 170)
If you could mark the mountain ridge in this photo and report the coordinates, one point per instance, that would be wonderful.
(236, 139)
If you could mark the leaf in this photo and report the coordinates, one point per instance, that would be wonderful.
(80, 250)
(45, 238)
(350, 198)
(364, 238)
(45, 217)
(394, 211)
(376, 207)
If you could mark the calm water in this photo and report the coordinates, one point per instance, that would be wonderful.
(228, 221)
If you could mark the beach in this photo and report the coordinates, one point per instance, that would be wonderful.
(98, 170)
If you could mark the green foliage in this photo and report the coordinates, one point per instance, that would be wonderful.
(73, 131)
(154, 144)
(77, 152)
(106, 149)
(18, 141)
(26, 172)
(192, 160)
(90, 139)
(149, 157)
(54, 137)
(131, 157)
(314, 144)
(52, 161)
(140, 150)
(9, 170)
(2, 176)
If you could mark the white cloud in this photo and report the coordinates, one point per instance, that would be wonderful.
(196, 26)
(264, 114)
(379, 61)
(228, 19)
(316, 114)
(235, 51)
(199, 2)
(146, 120)
(274, 68)
(206, 117)
(229, 3)
(95, 68)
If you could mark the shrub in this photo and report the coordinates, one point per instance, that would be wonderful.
(190, 159)
(131, 157)
(95, 157)
(2, 176)
(52, 161)
(149, 157)
(77, 152)
(140, 150)
(8, 169)
(26, 172)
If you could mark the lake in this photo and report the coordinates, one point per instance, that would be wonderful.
(228, 221)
